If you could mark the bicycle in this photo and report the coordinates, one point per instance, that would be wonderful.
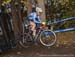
(46, 37)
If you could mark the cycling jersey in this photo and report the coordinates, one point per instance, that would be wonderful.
(33, 17)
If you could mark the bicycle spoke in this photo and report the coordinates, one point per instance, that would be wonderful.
(48, 38)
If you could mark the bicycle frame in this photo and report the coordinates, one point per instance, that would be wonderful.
(37, 35)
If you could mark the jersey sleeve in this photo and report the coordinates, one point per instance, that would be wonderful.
(37, 19)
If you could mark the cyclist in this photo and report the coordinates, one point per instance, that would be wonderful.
(35, 20)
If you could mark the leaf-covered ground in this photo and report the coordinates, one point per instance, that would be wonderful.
(66, 39)
(64, 47)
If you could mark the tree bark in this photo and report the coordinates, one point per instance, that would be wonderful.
(29, 6)
(15, 20)
(42, 5)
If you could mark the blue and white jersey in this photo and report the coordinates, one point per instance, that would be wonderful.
(34, 17)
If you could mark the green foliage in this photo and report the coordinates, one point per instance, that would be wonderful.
(65, 10)
(6, 2)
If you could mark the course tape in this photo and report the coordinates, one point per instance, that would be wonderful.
(55, 22)
(59, 31)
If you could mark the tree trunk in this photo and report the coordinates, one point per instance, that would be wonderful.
(15, 20)
(29, 6)
(42, 5)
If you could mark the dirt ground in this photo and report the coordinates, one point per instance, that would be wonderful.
(64, 47)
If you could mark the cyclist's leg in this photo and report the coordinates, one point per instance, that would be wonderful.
(33, 25)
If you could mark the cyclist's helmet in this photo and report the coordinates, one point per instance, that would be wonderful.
(38, 9)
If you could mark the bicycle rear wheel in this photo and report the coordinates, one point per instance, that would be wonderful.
(26, 40)
(47, 38)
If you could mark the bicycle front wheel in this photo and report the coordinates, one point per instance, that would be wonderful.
(47, 38)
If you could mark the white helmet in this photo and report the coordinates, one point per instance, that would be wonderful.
(38, 9)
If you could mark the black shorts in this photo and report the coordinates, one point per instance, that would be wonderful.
(38, 25)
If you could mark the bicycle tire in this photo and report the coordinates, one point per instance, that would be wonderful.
(45, 44)
(24, 42)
